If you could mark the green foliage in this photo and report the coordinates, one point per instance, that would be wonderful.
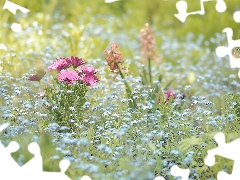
(197, 145)
(233, 105)
(65, 103)
(232, 114)
(132, 102)
(157, 13)
(72, 36)
(205, 141)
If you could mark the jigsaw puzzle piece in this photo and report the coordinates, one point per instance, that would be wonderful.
(176, 171)
(12, 7)
(159, 178)
(236, 16)
(182, 11)
(221, 6)
(111, 1)
(3, 47)
(34, 165)
(3, 126)
(227, 150)
(88, 178)
(5, 154)
(222, 51)
(181, 6)
(225, 176)
(10, 165)
(54, 175)
(64, 165)
(16, 27)
(33, 169)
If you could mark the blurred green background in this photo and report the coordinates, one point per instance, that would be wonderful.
(125, 16)
(157, 12)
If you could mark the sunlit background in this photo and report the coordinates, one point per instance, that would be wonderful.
(147, 144)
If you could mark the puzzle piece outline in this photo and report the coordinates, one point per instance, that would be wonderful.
(182, 6)
(236, 16)
(178, 172)
(12, 7)
(8, 165)
(228, 150)
(222, 51)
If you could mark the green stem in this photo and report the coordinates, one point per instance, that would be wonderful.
(149, 69)
(128, 89)
(144, 76)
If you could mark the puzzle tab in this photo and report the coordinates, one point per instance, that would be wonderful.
(176, 171)
(228, 150)
(236, 16)
(12, 7)
(222, 51)
(33, 169)
(182, 9)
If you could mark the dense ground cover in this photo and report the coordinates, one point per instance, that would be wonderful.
(113, 140)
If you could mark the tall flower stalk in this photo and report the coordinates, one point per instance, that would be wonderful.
(148, 52)
(115, 60)
(147, 45)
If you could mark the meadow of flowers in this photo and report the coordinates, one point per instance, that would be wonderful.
(118, 97)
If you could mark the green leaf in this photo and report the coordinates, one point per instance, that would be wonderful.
(187, 143)
(159, 164)
(166, 87)
(144, 75)
(152, 146)
(90, 134)
(160, 78)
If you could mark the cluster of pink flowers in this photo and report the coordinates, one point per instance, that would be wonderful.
(86, 74)
(168, 94)
(114, 57)
(63, 63)
(68, 76)
(147, 44)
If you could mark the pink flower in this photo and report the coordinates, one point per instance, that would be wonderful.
(68, 76)
(74, 61)
(114, 57)
(168, 94)
(90, 80)
(41, 94)
(59, 65)
(114, 47)
(147, 44)
(37, 77)
(88, 70)
(88, 75)
(63, 63)
(33, 78)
